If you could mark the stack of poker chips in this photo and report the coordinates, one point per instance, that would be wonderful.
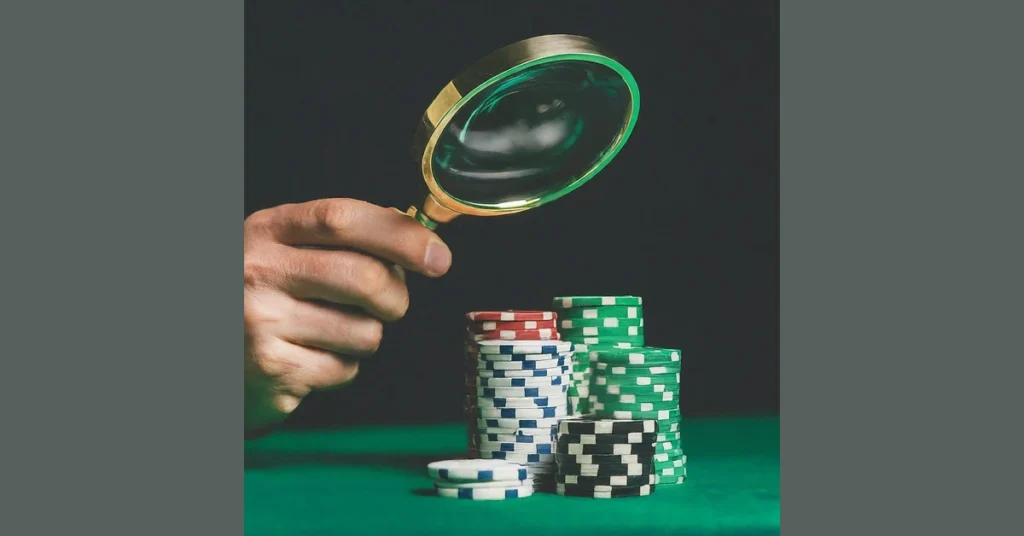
(594, 322)
(642, 383)
(517, 377)
(480, 480)
(606, 459)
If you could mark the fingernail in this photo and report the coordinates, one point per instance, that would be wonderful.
(438, 257)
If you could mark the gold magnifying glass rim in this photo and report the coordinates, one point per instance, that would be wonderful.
(490, 70)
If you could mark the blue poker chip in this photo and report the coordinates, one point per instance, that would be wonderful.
(529, 402)
(532, 381)
(557, 371)
(524, 365)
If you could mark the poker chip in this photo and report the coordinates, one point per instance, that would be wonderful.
(594, 481)
(524, 365)
(521, 347)
(632, 370)
(669, 480)
(527, 402)
(606, 322)
(611, 469)
(486, 494)
(569, 302)
(525, 448)
(638, 356)
(629, 379)
(476, 470)
(605, 459)
(521, 392)
(608, 439)
(540, 433)
(582, 348)
(517, 357)
(636, 389)
(568, 490)
(594, 331)
(522, 413)
(510, 316)
(658, 414)
(633, 407)
(517, 457)
(545, 334)
(480, 327)
(526, 373)
(637, 340)
(616, 311)
(614, 449)
(606, 426)
(518, 424)
(666, 396)
(489, 484)
(513, 438)
(528, 381)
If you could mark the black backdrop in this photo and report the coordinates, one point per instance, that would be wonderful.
(686, 216)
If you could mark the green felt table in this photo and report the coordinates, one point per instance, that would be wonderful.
(374, 481)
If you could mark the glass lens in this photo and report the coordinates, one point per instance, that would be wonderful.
(531, 134)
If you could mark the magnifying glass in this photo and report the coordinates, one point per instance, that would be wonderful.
(522, 127)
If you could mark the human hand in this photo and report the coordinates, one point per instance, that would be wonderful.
(320, 278)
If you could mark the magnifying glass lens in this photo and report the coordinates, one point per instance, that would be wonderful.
(531, 134)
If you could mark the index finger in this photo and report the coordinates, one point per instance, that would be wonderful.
(349, 223)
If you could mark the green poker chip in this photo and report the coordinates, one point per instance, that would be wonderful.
(602, 396)
(637, 340)
(637, 390)
(630, 379)
(634, 407)
(614, 369)
(568, 302)
(613, 311)
(607, 322)
(626, 331)
(646, 355)
(658, 415)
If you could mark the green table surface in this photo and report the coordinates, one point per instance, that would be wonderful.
(374, 481)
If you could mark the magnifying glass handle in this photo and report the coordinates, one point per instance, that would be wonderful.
(419, 216)
(432, 213)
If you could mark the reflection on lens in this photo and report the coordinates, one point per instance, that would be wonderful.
(531, 134)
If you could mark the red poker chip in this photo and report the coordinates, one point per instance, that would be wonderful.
(517, 335)
(482, 327)
(511, 316)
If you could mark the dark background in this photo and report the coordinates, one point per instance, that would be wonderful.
(686, 216)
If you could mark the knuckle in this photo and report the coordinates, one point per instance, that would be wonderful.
(333, 216)
(372, 278)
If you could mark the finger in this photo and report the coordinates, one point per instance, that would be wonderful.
(344, 278)
(356, 224)
(322, 326)
(316, 368)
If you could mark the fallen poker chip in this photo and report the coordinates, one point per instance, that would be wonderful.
(638, 356)
(606, 322)
(521, 347)
(548, 412)
(616, 311)
(521, 392)
(606, 426)
(476, 470)
(510, 316)
(569, 302)
(615, 449)
(529, 381)
(524, 365)
(609, 439)
(620, 481)
(604, 459)
(480, 327)
(528, 373)
(568, 490)
(609, 469)
(575, 333)
(486, 494)
(546, 334)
